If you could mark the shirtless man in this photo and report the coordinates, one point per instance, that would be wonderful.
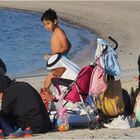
(59, 42)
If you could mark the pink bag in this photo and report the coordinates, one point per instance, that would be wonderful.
(98, 82)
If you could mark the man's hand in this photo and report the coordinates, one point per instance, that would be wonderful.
(49, 97)
(46, 96)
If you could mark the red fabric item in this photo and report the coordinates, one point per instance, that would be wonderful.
(44, 98)
(81, 86)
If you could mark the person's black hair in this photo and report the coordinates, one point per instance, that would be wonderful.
(49, 15)
(3, 68)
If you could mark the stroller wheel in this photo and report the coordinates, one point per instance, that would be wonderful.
(92, 125)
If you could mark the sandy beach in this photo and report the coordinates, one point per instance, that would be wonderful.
(120, 20)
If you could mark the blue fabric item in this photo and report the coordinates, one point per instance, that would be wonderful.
(111, 63)
(110, 59)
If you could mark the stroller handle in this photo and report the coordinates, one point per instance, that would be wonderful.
(113, 40)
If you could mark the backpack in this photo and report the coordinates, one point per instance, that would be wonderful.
(98, 83)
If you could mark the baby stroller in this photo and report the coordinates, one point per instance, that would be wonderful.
(78, 90)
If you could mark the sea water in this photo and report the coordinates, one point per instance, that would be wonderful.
(24, 41)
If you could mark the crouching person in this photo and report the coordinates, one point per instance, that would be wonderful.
(22, 106)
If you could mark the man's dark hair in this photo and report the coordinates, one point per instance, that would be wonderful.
(49, 15)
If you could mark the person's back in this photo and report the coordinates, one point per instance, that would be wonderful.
(59, 41)
(22, 105)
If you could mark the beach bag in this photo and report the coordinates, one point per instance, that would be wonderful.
(98, 82)
(111, 102)
(111, 63)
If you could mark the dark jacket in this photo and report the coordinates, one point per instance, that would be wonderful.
(23, 106)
